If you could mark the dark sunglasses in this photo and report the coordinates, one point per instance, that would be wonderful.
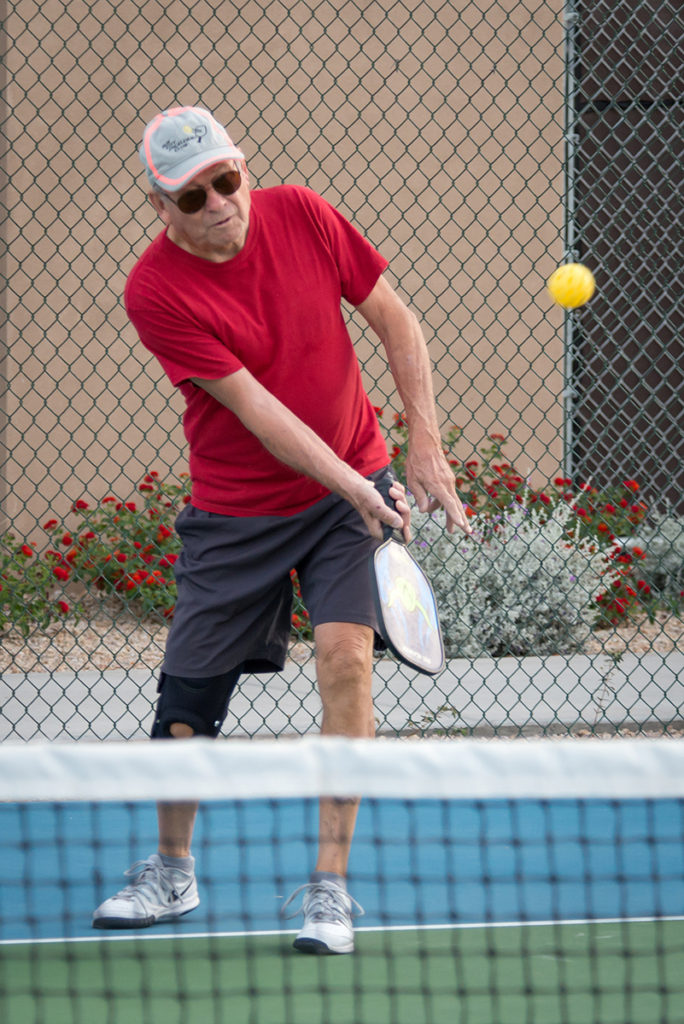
(194, 199)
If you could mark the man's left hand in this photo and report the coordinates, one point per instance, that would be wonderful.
(430, 480)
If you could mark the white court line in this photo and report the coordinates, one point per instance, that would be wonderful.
(143, 934)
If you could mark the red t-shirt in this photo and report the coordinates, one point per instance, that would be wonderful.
(274, 309)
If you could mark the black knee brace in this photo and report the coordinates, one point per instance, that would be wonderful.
(200, 703)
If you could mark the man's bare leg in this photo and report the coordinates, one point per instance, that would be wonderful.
(344, 663)
(164, 885)
(176, 820)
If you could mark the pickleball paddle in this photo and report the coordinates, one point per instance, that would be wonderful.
(405, 605)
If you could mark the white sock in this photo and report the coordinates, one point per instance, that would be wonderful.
(179, 863)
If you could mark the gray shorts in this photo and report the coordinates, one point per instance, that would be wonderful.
(235, 592)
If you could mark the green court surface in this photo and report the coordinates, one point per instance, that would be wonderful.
(576, 973)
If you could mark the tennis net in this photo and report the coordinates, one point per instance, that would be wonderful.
(503, 881)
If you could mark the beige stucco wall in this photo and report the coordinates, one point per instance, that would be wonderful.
(436, 129)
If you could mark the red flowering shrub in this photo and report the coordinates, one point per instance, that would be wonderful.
(489, 485)
(27, 588)
(628, 595)
(301, 626)
(125, 549)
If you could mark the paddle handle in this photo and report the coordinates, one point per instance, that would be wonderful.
(390, 533)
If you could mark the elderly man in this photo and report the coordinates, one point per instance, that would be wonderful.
(239, 298)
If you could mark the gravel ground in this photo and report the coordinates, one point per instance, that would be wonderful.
(663, 635)
(106, 638)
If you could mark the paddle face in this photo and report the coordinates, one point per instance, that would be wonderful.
(406, 608)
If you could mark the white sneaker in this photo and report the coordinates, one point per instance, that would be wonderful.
(157, 893)
(328, 910)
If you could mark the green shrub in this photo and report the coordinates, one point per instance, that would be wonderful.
(525, 583)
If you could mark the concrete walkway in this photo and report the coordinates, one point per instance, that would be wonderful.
(506, 694)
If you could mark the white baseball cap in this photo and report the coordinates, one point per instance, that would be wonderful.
(178, 143)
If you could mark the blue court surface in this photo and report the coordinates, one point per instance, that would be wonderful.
(458, 899)
(423, 863)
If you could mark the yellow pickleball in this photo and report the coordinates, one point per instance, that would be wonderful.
(571, 285)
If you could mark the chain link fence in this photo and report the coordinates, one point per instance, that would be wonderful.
(478, 145)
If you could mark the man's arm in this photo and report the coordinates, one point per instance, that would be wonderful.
(428, 474)
(291, 441)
